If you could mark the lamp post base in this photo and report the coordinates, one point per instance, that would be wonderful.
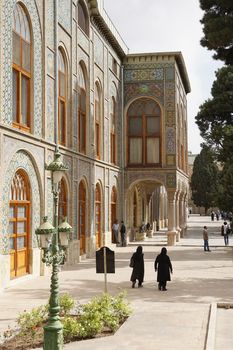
(53, 338)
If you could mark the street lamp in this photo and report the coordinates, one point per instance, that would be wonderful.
(54, 241)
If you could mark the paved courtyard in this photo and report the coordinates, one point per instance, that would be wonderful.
(184, 317)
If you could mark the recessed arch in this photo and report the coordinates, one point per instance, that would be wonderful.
(98, 214)
(62, 96)
(114, 198)
(63, 200)
(82, 108)
(19, 224)
(144, 130)
(98, 118)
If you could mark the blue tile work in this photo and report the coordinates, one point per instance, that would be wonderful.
(20, 160)
(64, 14)
(6, 39)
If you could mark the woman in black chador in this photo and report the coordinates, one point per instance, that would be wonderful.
(138, 267)
(164, 265)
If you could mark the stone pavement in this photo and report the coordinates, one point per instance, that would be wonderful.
(184, 317)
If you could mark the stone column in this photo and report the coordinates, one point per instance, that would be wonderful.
(181, 212)
(171, 233)
(178, 229)
(185, 211)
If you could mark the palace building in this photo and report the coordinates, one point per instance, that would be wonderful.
(120, 121)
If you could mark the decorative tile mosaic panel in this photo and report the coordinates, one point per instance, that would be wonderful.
(6, 39)
(170, 73)
(98, 51)
(147, 89)
(171, 180)
(64, 14)
(50, 109)
(170, 140)
(50, 23)
(143, 74)
(20, 160)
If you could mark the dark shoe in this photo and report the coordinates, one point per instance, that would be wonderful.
(133, 284)
(140, 286)
(164, 289)
(159, 287)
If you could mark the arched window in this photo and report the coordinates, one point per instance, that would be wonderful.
(63, 201)
(82, 111)
(113, 209)
(113, 131)
(62, 98)
(82, 217)
(97, 120)
(83, 20)
(19, 224)
(22, 70)
(98, 215)
(144, 136)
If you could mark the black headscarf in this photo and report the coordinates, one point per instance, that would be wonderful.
(163, 251)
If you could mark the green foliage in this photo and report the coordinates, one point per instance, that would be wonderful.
(215, 116)
(204, 180)
(218, 28)
(29, 321)
(225, 188)
(100, 314)
(104, 312)
(67, 303)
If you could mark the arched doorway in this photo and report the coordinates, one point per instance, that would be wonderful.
(98, 215)
(82, 217)
(19, 224)
(113, 209)
(62, 204)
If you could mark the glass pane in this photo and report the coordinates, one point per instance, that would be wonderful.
(135, 155)
(21, 242)
(152, 125)
(24, 100)
(21, 212)
(11, 227)
(16, 49)
(62, 85)
(62, 121)
(82, 18)
(26, 56)
(11, 212)
(12, 243)
(135, 126)
(153, 150)
(21, 227)
(15, 95)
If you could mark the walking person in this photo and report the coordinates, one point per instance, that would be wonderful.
(123, 232)
(206, 239)
(137, 262)
(115, 230)
(225, 230)
(163, 267)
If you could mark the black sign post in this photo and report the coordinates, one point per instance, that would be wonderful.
(105, 263)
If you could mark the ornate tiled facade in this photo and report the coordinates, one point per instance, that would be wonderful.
(155, 76)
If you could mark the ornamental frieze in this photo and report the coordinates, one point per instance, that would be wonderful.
(147, 66)
(134, 90)
(171, 180)
(131, 75)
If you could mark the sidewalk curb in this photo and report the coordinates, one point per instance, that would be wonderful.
(211, 328)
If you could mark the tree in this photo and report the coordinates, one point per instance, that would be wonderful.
(204, 180)
(218, 28)
(215, 116)
(225, 188)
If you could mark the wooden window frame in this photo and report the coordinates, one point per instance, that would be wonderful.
(98, 203)
(98, 125)
(82, 204)
(143, 136)
(113, 133)
(63, 200)
(85, 18)
(20, 73)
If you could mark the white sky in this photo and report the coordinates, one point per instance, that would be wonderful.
(169, 25)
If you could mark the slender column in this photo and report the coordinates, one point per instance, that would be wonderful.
(178, 229)
(171, 233)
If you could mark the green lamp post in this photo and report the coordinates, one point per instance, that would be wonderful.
(54, 241)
